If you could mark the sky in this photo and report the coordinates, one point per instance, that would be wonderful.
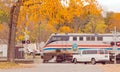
(110, 5)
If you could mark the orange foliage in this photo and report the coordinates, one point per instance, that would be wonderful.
(65, 29)
(1, 27)
(114, 21)
(52, 13)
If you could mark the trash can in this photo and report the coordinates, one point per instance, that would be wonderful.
(19, 52)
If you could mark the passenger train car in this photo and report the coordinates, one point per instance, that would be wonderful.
(63, 46)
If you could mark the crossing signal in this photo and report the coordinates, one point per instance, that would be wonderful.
(23, 42)
(113, 43)
(28, 42)
(118, 43)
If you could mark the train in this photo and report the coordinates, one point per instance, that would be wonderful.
(61, 46)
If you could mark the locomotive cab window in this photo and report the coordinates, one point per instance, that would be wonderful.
(58, 38)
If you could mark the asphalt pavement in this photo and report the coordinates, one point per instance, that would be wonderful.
(57, 67)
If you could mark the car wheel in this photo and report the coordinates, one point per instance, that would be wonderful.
(75, 60)
(93, 61)
(85, 62)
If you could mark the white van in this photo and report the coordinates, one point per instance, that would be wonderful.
(91, 55)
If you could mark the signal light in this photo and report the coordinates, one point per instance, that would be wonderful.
(28, 42)
(113, 43)
(118, 43)
(23, 42)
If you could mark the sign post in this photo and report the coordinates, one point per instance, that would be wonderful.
(115, 46)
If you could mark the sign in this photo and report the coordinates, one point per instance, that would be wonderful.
(74, 47)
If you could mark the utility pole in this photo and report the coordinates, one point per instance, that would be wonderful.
(14, 13)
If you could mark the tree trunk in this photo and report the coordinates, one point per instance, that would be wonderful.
(14, 13)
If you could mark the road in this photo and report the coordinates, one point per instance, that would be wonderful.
(56, 67)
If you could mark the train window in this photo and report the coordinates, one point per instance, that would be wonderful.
(99, 38)
(81, 38)
(65, 38)
(74, 38)
(90, 38)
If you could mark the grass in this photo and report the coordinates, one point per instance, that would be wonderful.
(7, 65)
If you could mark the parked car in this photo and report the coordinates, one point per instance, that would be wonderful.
(36, 52)
(91, 55)
(112, 55)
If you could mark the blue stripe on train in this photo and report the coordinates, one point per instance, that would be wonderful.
(79, 48)
(57, 48)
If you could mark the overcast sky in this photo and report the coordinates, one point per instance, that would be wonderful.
(110, 5)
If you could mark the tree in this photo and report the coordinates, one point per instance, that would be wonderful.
(4, 32)
(4, 16)
(65, 29)
(112, 20)
(95, 25)
(14, 13)
(75, 16)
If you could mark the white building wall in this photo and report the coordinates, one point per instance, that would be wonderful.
(3, 49)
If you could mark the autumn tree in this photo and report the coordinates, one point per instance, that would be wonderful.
(57, 17)
(95, 25)
(4, 17)
(94, 21)
(112, 20)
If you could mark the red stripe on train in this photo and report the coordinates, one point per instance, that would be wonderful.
(78, 46)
